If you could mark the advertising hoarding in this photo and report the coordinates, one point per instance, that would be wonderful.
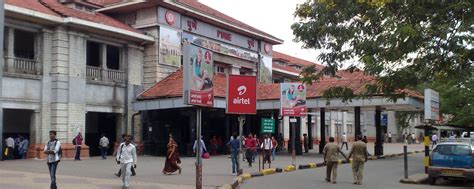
(241, 94)
(293, 99)
(198, 76)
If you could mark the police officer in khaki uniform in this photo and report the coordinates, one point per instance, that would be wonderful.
(359, 156)
(331, 151)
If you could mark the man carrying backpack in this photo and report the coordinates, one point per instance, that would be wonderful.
(52, 149)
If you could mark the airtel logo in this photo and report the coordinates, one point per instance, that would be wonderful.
(242, 89)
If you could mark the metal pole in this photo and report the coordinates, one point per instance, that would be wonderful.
(293, 141)
(2, 24)
(405, 160)
(198, 150)
(427, 149)
(241, 157)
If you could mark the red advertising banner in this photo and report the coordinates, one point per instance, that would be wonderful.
(293, 99)
(198, 76)
(241, 94)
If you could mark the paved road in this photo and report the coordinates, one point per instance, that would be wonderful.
(216, 171)
(379, 174)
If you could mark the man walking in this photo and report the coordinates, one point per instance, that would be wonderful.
(53, 151)
(77, 141)
(250, 145)
(127, 156)
(344, 141)
(104, 146)
(23, 147)
(389, 137)
(331, 151)
(267, 148)
(10, 142)
(234, 145)
(305, 143)
(434, 139)
(359, 156)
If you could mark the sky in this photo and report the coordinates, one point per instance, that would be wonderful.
(274, 17)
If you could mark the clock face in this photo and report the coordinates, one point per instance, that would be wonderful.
(169, 17)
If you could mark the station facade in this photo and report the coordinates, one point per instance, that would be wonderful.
(114, 67)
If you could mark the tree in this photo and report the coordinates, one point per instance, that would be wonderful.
(457, 100)
(403, 121)
(401, 43)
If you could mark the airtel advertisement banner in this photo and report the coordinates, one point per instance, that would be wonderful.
(293, 99)
(241, 94)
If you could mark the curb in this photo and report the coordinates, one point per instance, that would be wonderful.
(290, 168)
(415, 179)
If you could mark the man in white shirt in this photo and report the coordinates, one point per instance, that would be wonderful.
(389, 137)
(53, 150)
(267, 147)
(104, 146)
(127, 156)
(10, 142)
(434, 139)
(344, 141)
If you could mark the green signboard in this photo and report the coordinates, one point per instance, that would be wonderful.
(267, 126)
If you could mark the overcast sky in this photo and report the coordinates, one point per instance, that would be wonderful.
(271, 16)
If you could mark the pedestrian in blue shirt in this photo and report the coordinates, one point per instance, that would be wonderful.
(234, 151)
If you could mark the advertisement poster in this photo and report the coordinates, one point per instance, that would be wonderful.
(293, 99)
(198, 76)
(265, 71)
(241, 94)
(170, 47)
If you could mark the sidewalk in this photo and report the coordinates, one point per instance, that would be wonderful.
(97, 173)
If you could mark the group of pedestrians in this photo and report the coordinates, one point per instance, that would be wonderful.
(359, 156)
(16, 148)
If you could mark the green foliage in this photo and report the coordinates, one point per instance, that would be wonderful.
(403, 120)
(401, 43)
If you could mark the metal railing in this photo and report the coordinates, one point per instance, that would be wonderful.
(99, 74)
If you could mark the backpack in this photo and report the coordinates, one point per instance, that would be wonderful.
(74, 141)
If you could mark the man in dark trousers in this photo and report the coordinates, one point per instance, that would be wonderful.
(52, 149)
(77, 141)
(305, 143)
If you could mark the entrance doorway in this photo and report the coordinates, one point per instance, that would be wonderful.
(98, 124)
(16, 123)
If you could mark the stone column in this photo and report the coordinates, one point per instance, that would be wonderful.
(10, 50)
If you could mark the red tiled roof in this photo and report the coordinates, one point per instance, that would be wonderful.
(286, 68)
(92, 17)
(294, 60)
(32, 5)
(172, 86)
(194, 4)
(53, 7)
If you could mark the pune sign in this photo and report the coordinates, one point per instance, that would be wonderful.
(241, 94)
(198, 76)
(293, 99)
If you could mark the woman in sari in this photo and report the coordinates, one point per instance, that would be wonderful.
(172, 157)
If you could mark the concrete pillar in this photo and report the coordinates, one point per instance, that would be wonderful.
(310, 130)
(10, 49)
(357, 131)
(322, 142)
(378, 149)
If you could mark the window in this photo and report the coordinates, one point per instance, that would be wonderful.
(93, 54)
(24, 44)
(276, 81)
(220, 69)
(113, 57)
(456, 150)
(280, 63)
